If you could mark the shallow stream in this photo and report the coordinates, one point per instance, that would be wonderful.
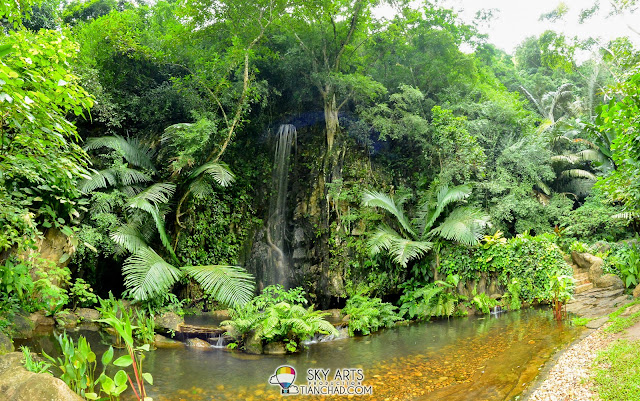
(486, 358)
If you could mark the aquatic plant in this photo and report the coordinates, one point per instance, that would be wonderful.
(31, 364)
(561, 288)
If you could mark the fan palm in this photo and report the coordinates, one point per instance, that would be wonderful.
(146, 273)
(412, 239)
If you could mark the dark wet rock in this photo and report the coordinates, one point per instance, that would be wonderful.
(253, 345)
(274, 349)
(161, 341)
(18, 384)
(6, 345)
(22, 326)
(609, 281)
(197, 343)
(87, 314)
(168, 322)
(67, 320)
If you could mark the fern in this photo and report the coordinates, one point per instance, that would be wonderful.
(367, 315)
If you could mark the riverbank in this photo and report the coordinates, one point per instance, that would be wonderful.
(576, 375)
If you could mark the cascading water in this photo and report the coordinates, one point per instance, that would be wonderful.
(278, 269)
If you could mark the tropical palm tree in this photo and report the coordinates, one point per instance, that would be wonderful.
(412, 239)
(146, 273)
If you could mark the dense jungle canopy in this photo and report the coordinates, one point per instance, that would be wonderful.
(137, 145)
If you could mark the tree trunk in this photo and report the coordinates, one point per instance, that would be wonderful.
(331, 119)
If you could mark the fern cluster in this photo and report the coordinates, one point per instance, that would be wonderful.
(367, 315)
(438, 299)
(278, 316)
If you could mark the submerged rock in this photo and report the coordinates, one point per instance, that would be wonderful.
(18, 384)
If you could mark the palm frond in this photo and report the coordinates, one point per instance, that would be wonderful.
(569, 159)
(381, 239)
(157, 193)
(465, 225)
(384, 201)
(129, 176)
(129, 238)
(98, 179)
(131, 149)
(220, 172)
(625, 216)
(593, 155)
(444, 198)
(230, 285)
(200, 188)
(147, 275)
(578, 173)
(403, 250)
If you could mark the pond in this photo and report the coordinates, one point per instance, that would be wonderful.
(476, 358)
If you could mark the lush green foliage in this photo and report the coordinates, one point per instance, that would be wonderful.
(278, 315)
(528, 259)
(367, 315)
(437, 299)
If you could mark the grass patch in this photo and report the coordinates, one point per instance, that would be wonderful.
(619, 323)
(617, 372)
(581, 321)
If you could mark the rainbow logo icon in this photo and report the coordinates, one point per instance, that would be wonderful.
(284, 377)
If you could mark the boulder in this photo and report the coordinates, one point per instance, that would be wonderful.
(87, 314)
(609, 281)
(168, 322)
(18, 384)
(587, 261)
(636, 291)
(161, 341)
(253, 345)
(39, 319)
(275, 348)
(6, 345)
(22, 326)
(496, 296)
(67, 320)
(198, 343)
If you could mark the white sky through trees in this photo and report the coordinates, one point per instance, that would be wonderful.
(515, 20)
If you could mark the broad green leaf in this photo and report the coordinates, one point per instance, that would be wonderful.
(107, 356)
(123, 361)
(148, 378)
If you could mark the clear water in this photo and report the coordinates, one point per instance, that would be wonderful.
(490, 358)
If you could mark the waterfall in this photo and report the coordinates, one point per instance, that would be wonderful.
(278, 272)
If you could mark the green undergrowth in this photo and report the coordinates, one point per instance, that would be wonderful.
(617, 372)
(581, 321)
(619, 323)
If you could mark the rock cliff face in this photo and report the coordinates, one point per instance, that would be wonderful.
(18, 384)
(308, 220)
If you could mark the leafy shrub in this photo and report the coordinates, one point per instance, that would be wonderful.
(270, 317)
(436, 299)
(483, 302)
(529, 259)
(367, 315)
(511, 298)
(623, 260)
(82, 295)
